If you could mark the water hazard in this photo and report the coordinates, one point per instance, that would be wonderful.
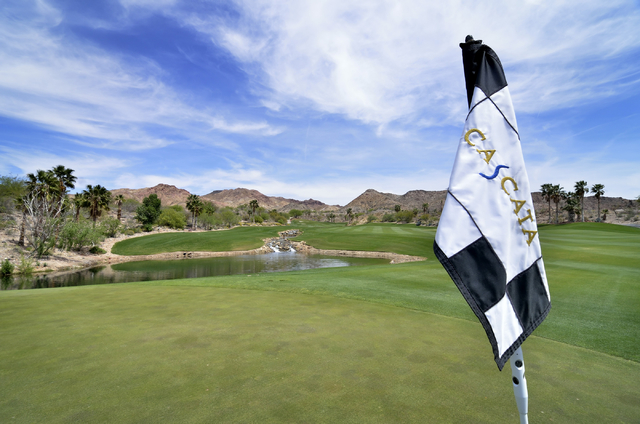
(188, 268)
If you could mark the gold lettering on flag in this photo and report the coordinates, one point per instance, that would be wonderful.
(504, 180)
(519, 204)
(488, 154)
(472, 130)
(530, 235)
(520, 221)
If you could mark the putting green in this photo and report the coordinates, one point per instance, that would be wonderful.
(148, 353)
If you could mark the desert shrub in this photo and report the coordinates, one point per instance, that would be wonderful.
(404, 216)
(173, 218)
(259, 220)
(229, 218)
(210, 220)
(6, 268)
(110, 226)
(25, 267)
(371, 218)
(97, 250)
(389, 217)
(77, 235)
(295, 213)
(130, 205)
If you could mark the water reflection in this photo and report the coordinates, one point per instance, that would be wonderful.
(187, 268)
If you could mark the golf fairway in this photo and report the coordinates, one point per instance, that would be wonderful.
(195, 354)
(374, 344)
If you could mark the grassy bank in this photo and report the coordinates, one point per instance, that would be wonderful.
(387, 343)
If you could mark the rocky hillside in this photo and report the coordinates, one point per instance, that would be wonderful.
(372, 200)
(240, 196)
(169, 195)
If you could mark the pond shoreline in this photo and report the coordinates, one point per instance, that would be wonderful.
(63, 261)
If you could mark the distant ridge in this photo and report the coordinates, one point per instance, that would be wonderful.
(169, 194)
(241, 196)
(371, 201)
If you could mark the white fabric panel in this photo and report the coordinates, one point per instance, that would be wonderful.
(504, 323)
(456, 229)
(478, 96)
(503, 100)
(485, 199)
(544, 277)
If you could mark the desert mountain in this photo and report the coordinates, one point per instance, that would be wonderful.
(240, 196)
(169, 195)
(372, 200)
(369, 201)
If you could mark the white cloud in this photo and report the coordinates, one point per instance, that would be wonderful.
(88, 168)
(379, 61)
(102, 99)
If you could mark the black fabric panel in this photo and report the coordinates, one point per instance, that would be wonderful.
(460, 284)
(482, 68)
(482, 272)
(528, 296)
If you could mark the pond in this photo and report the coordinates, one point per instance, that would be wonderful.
(187, 268)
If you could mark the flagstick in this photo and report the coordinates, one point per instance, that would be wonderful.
(520, 385)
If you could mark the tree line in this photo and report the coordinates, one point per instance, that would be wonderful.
(574, 200)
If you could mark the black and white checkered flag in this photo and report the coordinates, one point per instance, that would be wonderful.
(487, 237)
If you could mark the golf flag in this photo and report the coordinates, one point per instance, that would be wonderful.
(487, 238)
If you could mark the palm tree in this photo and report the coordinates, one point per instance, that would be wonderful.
(546, 190)
(581, 188)
(65, 178)
(557, 193)
(194, 205)
(78, 202)
(425, 207)
(598, 190)
(349, 215)
(571, 205)
(254, 207)
(119, 200)
(96, 199)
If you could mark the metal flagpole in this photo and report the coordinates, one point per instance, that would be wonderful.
(520, 385)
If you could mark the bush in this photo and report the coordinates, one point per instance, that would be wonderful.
(371, 218)
(110, 227)
(25, 266)
(173, 218)
(77, 235)
(259, 220)
(389, 217)
(404, 216)
(6, 268)
(97, 250)
(130, 205)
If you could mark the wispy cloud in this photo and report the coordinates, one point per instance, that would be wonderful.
(51, 78)
(377, 61)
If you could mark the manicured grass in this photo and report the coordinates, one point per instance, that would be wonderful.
(385, 343)
(240, 238)
(143, 353)
(404, 239)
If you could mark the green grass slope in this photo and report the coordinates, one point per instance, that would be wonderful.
(385, 343)
(240, 238)
(143, 353)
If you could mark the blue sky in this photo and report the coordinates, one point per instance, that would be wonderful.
(314, 99)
